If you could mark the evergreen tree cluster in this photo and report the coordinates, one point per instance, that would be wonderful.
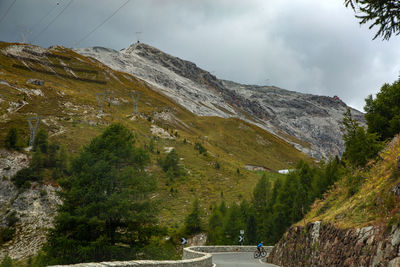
(13, 140)
(361, 145)
(274, 207)
(171, 166)
(46, 156)
(383, 112)
(106, 213)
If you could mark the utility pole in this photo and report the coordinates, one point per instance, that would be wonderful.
(100, 101)
(33, 128)
(135, 99)
(137, 36)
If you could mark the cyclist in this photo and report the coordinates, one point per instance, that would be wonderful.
(259, 246)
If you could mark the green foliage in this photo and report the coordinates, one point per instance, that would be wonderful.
(7, 262)
(11, 219)
(360, 145)
(23, 178)
(41, 141)
(354, 184)
(273, 208)
(383, 112)
(193, 224)
(106, 213)
(6, 234)
(199, 147)
(151, 145)
(217, 166)
(46, 156)
(171, 167)
(215, 224)
(383, 14)
(251, 230)
(13, 140)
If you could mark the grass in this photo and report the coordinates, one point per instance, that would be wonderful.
(363, 197)
(69, 111)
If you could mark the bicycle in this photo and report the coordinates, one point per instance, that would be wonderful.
(258, 254)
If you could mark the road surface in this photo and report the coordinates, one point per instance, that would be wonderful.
(234, 259)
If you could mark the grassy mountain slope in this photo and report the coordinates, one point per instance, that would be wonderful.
(68, 108)
(365, 197)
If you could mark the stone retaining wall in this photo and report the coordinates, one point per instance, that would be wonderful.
(192, 257)
(322, 244)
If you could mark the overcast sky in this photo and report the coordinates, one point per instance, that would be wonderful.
(310, 46)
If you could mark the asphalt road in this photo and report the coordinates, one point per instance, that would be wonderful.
(238, 260)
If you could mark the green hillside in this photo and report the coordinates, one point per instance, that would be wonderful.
(364, 196)
(68, 108)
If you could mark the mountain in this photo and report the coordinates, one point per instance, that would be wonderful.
(310, 122)
(67, 90)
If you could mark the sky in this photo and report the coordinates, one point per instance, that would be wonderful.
(309, 46)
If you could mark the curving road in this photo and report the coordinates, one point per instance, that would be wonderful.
(234, 259)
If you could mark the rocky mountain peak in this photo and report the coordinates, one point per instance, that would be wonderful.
(311, 123)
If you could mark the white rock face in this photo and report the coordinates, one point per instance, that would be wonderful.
(35, 208)
(194, 96)
(313, 119)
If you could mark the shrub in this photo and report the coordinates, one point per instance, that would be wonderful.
(12, 140)
(200, 148)
(354, 184)
(41, 141)
(6, 234)
(23, 176)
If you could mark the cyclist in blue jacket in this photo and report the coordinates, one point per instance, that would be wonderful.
(259, 246)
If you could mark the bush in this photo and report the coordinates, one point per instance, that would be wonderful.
(193, 224)
(12, 140)
(6, 234)
(200, 148)
(171, 166)
(7, 262)
(354, 184)
(12, 219)
(23, 177)
(41, 141)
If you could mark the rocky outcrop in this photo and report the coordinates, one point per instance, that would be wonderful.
(314, 120)
(322, 244)
(32, 210)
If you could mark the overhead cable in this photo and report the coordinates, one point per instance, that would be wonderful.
(45, 16)
(8, 10)
(52, 21)
(101, 24)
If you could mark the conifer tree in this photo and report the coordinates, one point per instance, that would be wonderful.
(360, 145)
(193, 224)
(384, 14)
(105, 213)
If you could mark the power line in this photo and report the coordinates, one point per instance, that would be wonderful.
(53, 20)
(8, 10)
(45, 16)
(101, 24)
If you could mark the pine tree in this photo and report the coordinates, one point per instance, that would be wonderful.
(233, 225)
(384, 14)
(251, 230)
(360, 145)
(105, 202)
(12, 140)
(215, 225)
(41, 141)
(193, 224)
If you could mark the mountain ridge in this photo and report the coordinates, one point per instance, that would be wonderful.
(309, 122)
